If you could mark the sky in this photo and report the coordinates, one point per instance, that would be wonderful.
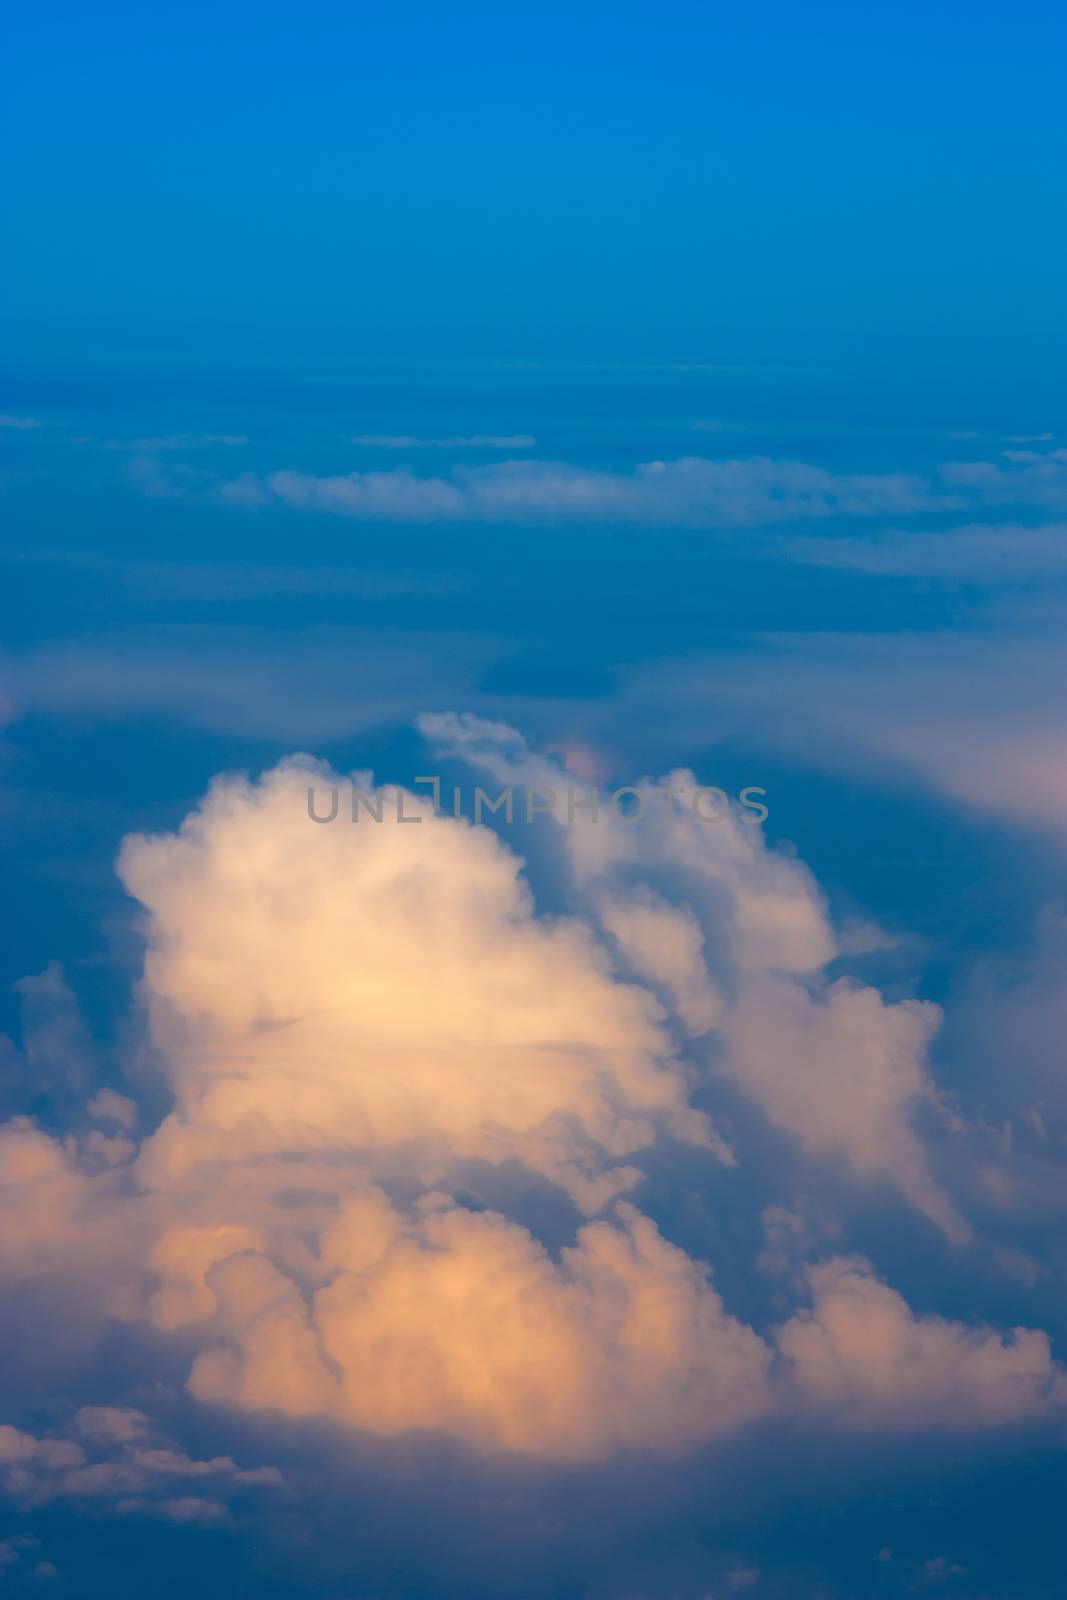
(533, 779)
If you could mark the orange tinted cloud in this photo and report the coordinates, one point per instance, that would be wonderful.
(348, 1014)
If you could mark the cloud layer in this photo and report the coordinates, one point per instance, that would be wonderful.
(690, 491)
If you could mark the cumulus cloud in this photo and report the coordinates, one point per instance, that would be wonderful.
(282, 958)
(832, 1065)
(664, 944)
(862, 1353)
(843, 1072)
(462, 1322)
(43, 1193)
(355, 1019)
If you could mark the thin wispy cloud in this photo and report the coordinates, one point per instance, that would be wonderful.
(690, 491)
(164, 443)
(473, 441)
(326, 684)
(977, 553)
(976, 716)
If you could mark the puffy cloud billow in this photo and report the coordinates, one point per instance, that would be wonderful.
(386, 1064)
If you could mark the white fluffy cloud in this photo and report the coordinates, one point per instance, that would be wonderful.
(461, 1321)
(832, 1065)
(352, 1016)
(365, 985)
(843, 1072)
(864, 1355)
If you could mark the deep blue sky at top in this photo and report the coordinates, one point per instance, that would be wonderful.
(509, 179)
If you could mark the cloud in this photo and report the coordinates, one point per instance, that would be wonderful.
(462, 1322)
(56, 1045)
(691, 491)
(978, 553)
(862, 1353)
(1056, 457)
(23, 1548)
(107, 1106)
(115, 1459)
(474, 441)
(225, 582)
(976, 716)
(664, 944)
(522, 1042)
(1013, 1007)
(43, 1191)
(388, 1066)
(1030, 476)
(830, 1064)
(319, 686)
(158, 444)
(21, 423)
(843, 1073)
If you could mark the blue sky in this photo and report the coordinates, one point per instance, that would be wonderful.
(521, 179)
(541, 398)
